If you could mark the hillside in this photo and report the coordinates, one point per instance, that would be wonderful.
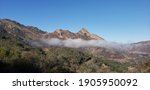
(22, 49)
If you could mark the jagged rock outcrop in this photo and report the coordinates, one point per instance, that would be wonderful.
(61, 34)
(84, 33)
(66, 34)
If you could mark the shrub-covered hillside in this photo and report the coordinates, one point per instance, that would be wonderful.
(19, 57)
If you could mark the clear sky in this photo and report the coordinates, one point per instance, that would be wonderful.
(114, 20)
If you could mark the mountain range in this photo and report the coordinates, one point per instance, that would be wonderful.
(32, 33)
(25, 47)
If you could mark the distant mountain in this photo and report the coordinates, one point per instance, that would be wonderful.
(141, 47)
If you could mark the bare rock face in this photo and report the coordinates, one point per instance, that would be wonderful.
(84, 33)
(66, 34)
(61, 34)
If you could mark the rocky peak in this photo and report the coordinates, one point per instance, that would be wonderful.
(62, 34)
(65, 34)
(83, 31)
(59, 31)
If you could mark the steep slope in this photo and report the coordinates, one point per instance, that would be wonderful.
(84, 34)
(20, 31)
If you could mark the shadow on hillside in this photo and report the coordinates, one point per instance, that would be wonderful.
(18, 66)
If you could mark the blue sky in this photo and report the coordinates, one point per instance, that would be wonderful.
(114, 20)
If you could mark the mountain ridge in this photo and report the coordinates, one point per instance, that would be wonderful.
(33, 33)
(29, 34)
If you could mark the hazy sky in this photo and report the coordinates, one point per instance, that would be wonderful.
(114, 20)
